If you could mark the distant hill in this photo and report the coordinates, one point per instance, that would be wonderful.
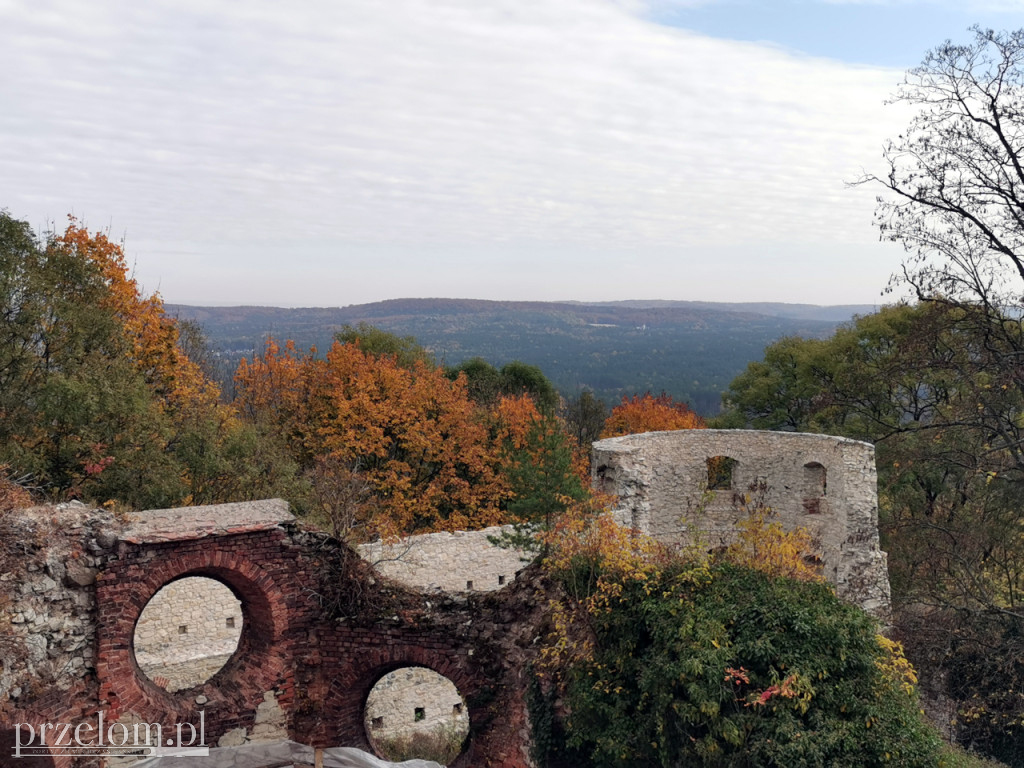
(692, 350)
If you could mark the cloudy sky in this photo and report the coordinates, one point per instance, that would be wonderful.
(332, 152)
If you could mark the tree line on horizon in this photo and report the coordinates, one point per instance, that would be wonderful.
(105, 397)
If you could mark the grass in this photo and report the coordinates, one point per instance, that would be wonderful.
(441, 744)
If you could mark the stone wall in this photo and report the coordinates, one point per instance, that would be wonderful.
(464, 561)
(187, 632)
(415, 700)
(49, 561)
(822, 483)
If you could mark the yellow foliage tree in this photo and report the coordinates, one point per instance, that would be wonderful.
(764, 545)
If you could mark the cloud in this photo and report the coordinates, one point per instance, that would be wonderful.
(315, 135)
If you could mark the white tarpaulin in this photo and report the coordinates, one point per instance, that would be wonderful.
(278, 754)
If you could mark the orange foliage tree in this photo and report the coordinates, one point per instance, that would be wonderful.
(415, 436)
(152, 336)
(98, 398)
(214, 456)
(647, 413)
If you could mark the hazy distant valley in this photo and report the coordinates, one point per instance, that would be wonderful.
(692, 350)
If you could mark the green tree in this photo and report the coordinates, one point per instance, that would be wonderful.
(483, 380)
(98, 400)
(584, 416)
(75, 413)
(376, 342)
(488, 384)
(541, 475)
(519, 378)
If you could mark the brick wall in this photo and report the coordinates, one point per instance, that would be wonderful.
(301, 671)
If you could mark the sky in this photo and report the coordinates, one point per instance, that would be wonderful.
(335, 152)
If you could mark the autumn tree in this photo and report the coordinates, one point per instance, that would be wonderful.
(955, 177)
(415, 436)
(953, 197)
(647, 413)
(74, 410)
(661, 656)
(97, 398)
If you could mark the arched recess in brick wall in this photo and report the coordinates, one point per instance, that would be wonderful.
(414, 712)
(260, 663)
(345, 701)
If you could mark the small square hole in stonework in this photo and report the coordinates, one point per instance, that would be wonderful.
(501, 580)
(183, 629)
(377, 722)
(229, 622)
(418, 714)
(457, 709)
(469, 585)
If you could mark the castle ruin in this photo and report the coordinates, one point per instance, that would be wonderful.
(316, 630)
(700, 482)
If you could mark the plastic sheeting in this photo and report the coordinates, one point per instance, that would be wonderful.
(278, 754)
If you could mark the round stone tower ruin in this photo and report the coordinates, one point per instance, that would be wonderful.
(674, 485)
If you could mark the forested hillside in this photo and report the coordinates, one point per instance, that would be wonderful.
(691, 350)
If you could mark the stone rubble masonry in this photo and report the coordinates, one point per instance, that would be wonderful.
(822, 483)
(188, 631)
(50, 559)
(464, 561)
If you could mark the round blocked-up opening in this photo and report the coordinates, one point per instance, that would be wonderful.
(414, 712)
(187, 632)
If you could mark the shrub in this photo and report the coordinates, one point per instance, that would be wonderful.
(723, 665)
